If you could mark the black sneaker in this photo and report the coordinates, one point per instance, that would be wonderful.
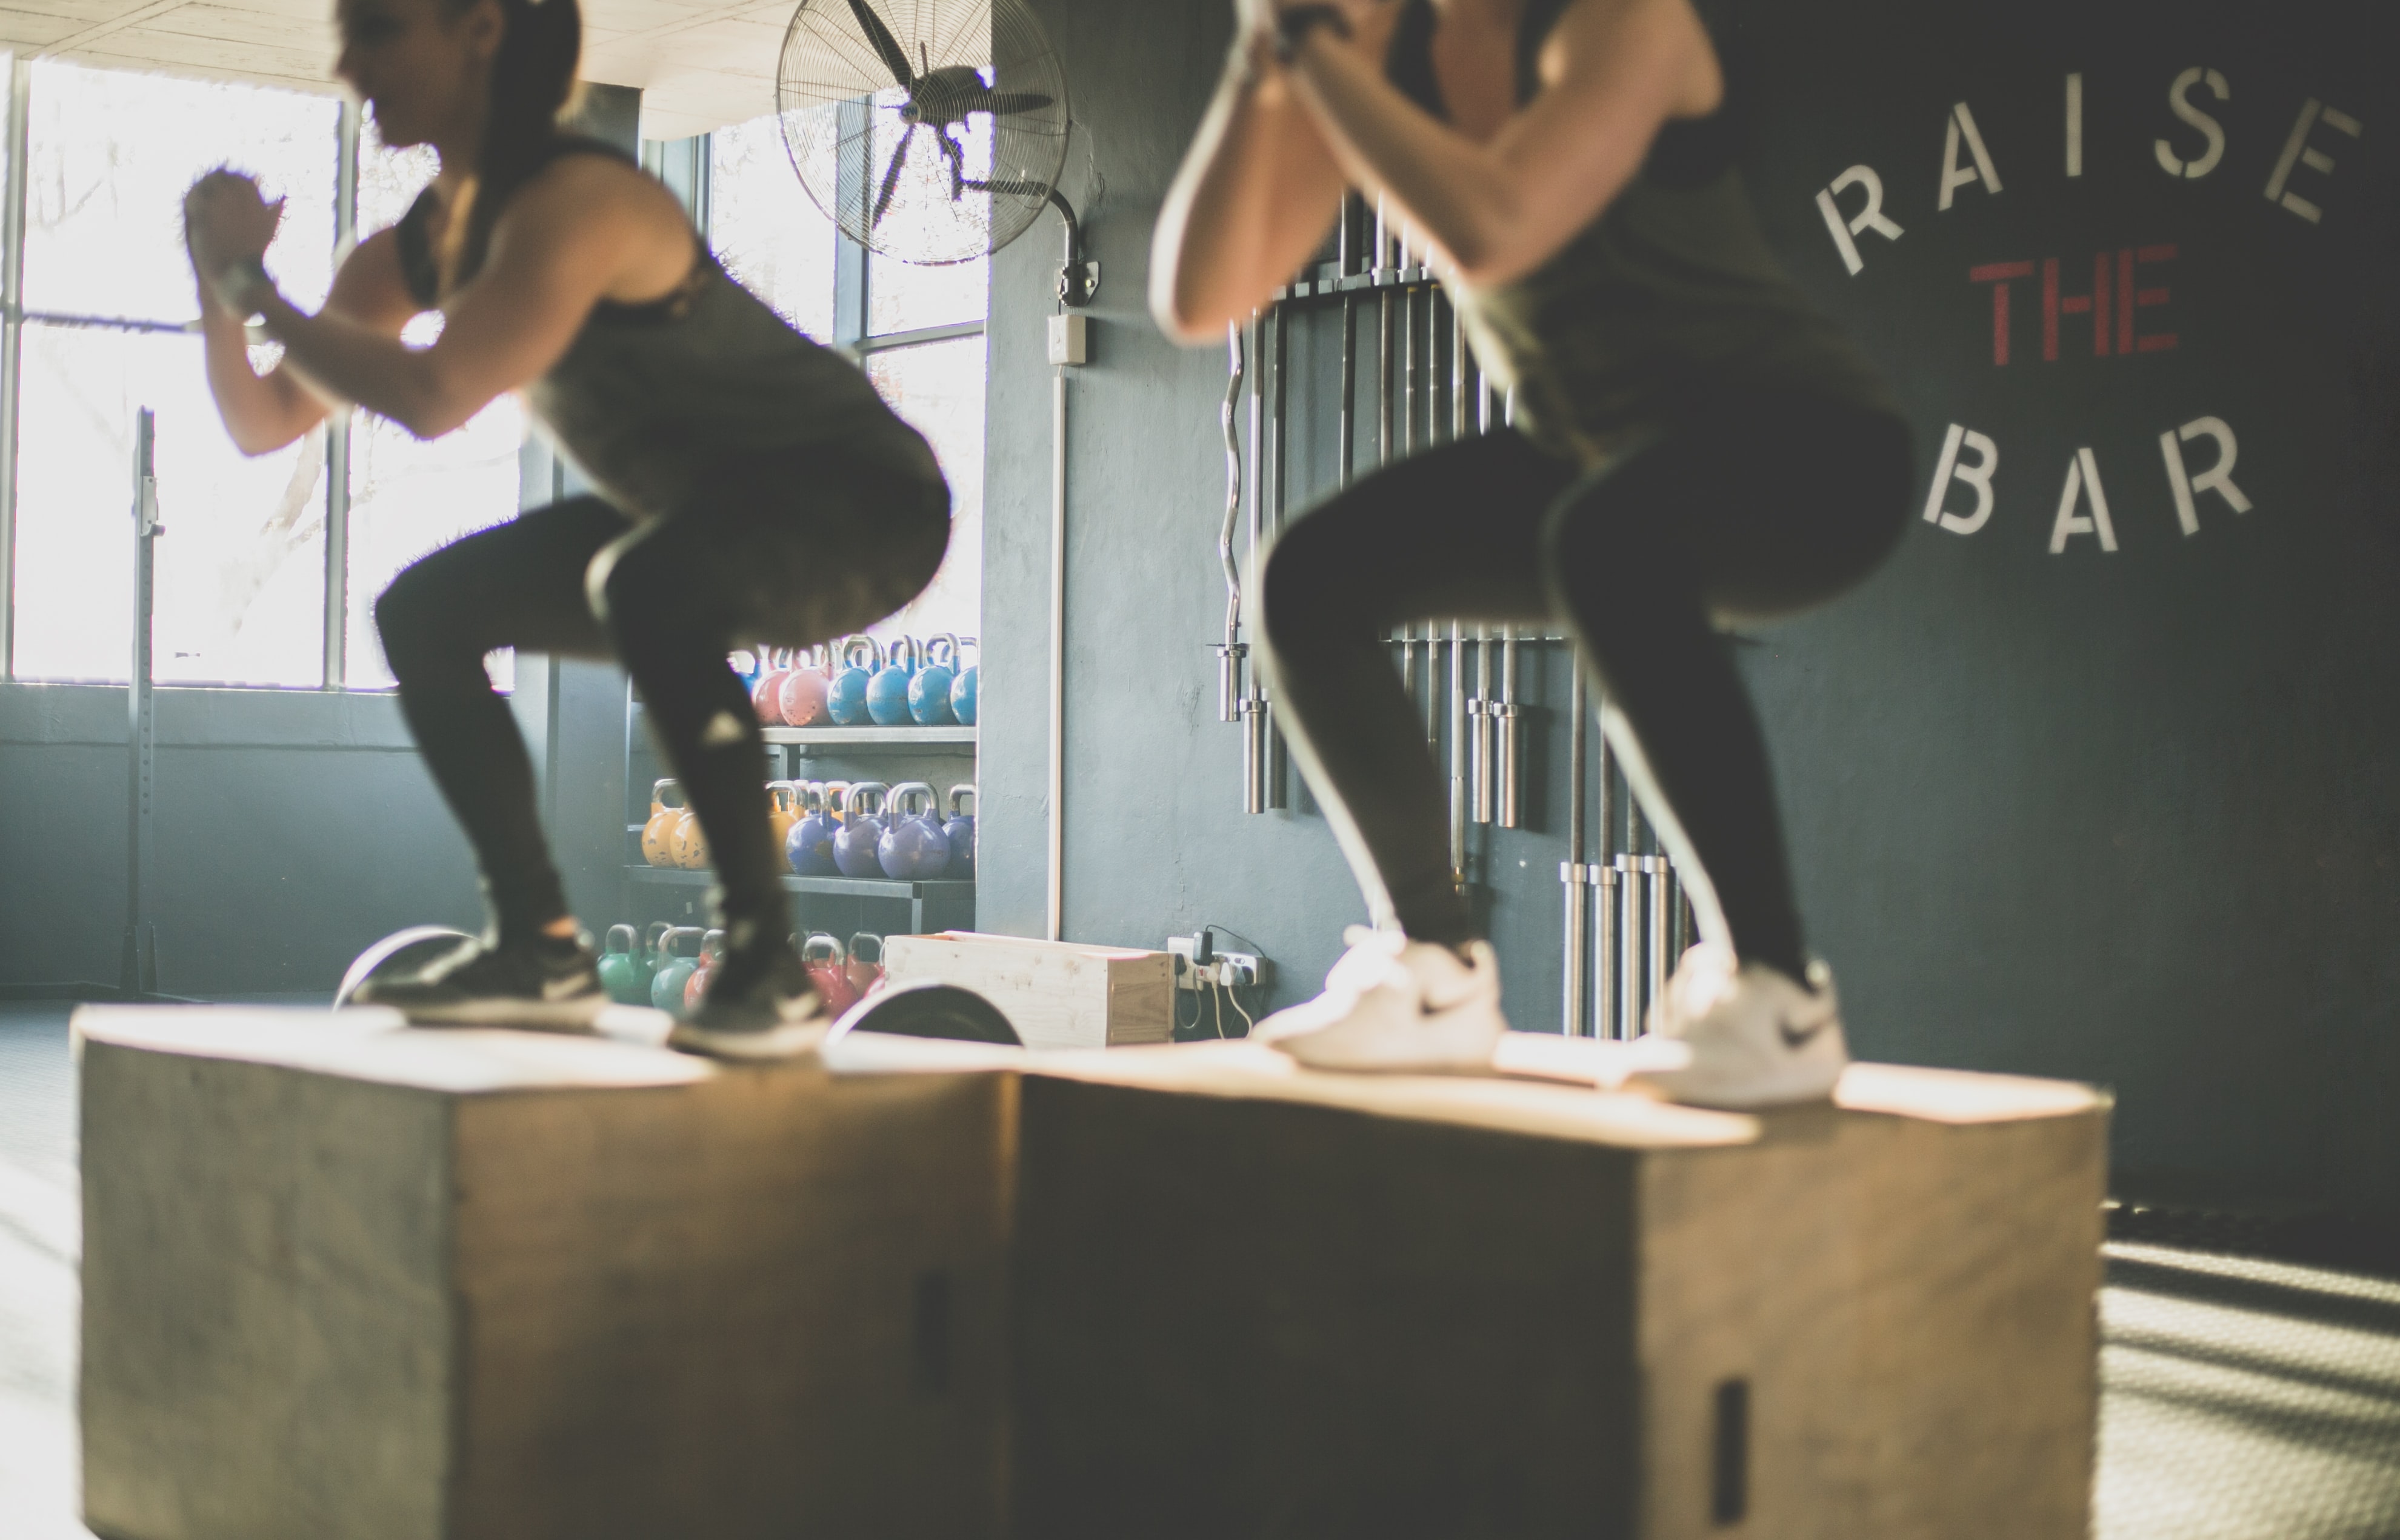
(549, 983)
(759, 1005)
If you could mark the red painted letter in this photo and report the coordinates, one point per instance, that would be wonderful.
(1999, 275)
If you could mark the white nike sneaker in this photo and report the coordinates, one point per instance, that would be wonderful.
(1741, 1037)
(1397, 1006)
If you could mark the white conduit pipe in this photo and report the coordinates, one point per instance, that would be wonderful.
(1055, 903)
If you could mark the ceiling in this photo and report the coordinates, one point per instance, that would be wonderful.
(700, 64)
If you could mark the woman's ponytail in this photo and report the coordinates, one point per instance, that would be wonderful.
(532, 86)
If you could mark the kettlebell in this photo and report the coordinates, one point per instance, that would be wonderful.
(651, 955)
(913, 847)
(855, 847)
(765, 695)
(801, 697)
(783, 810)
(687, 845)
(834, 792)
(929, 692)
(658, 835)
(887, 693)
(808, 849)
(712, 955)
(865, 969)
(961, 832)
(962, 689)
(675, 968)
(862, 658)
(620, 971)
(828, 970)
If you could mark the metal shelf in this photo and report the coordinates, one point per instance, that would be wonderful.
(839, 887)
(955, 900)
(870, 738)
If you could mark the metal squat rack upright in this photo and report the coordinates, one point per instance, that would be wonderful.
(1418, 402)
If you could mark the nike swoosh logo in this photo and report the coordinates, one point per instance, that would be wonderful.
(1796, 1040)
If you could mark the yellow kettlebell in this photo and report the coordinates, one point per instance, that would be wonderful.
(783, 810)
(659, 833)
(689, 846)
(836, 792)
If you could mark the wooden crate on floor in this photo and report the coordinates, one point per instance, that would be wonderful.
(1253, 1301)
(1058, 994)
(352, 1283)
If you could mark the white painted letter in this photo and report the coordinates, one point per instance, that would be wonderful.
(2217, 478)
(2297, 149)
(2083, 484)
(2180, 102)
(1978, 476)
(1953, 175)
(2074, 124)
(1870, 217)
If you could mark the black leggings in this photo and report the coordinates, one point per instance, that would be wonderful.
(1759, 507)
(787, 551)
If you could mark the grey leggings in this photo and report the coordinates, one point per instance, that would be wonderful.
(791, 551)
(1759, 507)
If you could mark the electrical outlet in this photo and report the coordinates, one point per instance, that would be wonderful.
(1232, 969)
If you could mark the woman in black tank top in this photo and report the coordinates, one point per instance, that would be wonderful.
(1691, 444)
(751, 487)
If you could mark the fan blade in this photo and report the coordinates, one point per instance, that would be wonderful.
(891, 173)
(957, 159)
(1011, 101)
(895, 58)
(1022, 189)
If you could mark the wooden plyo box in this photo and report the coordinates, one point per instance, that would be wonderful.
(345, 1282)
(1252, 1301)
(1058, 994)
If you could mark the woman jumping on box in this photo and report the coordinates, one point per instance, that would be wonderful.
(1694, 445)
(731, 453)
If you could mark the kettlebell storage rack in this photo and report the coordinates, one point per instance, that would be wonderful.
(1625, 916)
(952, 902)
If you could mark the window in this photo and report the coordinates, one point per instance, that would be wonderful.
(108, 304)
(410, 496)
(106, 293)
(919, 330)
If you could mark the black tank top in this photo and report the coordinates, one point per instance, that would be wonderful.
(651, 400)
(1667, 298)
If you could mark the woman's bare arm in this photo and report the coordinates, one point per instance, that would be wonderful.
(1257, 190)
(1614, 72)
(583, 230)
(263, 413)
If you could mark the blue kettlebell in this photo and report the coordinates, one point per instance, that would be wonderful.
(747, 664)
(862, 657)
(929, 692)
(809, 848)
(887, 693)
(961, 831)
(913, 847)
(962, 689)
(855, 846)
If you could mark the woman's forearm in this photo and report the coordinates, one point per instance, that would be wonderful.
(261, 413)
(342, 360)
(1254, 198)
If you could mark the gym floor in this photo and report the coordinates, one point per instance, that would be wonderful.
(2243, 1398)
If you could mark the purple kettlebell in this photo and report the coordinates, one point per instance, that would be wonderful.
(914, 848)
(855, 847)
(961, 832)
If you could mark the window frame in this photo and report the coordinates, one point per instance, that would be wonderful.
(684, 164)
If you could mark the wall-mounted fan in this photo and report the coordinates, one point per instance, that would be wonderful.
(931, 131)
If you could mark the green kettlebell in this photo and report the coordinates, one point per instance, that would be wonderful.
(676, 967)
(620, 968)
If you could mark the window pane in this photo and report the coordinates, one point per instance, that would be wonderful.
(410, 496)
(938, 388)
(390, 180)
(766, 230)
(110, 155)
(901, 296)
(240, 576)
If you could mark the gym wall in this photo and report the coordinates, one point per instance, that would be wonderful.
(2124, 811)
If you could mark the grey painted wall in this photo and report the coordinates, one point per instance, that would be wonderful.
(2124, 817)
